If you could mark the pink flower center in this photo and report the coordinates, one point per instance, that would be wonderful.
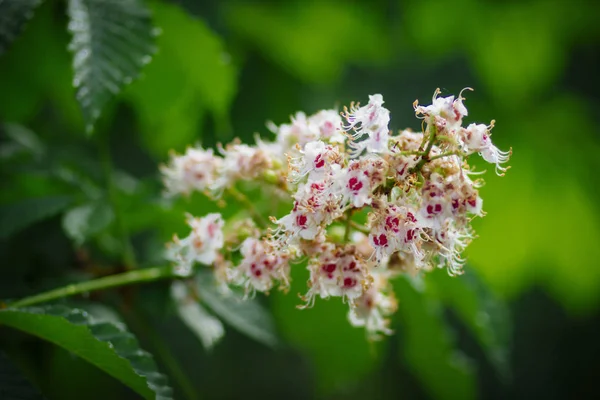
(349, 282)
(301, 220)
(380, 240)
(354, 184)
(319, 162)
(434, 209)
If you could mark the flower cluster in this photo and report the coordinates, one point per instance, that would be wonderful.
(366, 204)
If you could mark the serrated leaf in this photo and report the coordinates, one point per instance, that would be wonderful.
(108, 346)
(13, 385)
(14, 14)
(427, 346)
(81, 223)
(112, 41)
(247, 316)
(206, 327)
(17, 216)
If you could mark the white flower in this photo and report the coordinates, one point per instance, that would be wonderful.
(356, 183)
(298, 132)
(195, 170)
(336, 272)
(373, 306)
(395, 228)
(318, 160)
(476, 139)
(371, 120)
(261, 266)
(451, 242)
(328, 123)
(242, 162)
(414, 189)
(202, 245)
(446, 108)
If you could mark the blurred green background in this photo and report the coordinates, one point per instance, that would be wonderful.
(224, 68)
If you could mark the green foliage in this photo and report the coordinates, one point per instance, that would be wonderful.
(21, 140)
(484, 315)
(106, 345)
(13, 386)
(240, 63)
(443, 371)
(82, 222)
(112, 40)
(35, 69)
(339, 353)
(314, 52)
(14, 14)
(17, 216)
(202, 80)
(247, 316)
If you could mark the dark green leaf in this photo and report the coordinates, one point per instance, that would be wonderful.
(427, 346)
(247, 316)
(486, 316)
(13, 386)
(21, 139)
(206, 327)
(81, 223)
(112, 41)
(14, 14)
(108, 346)
(14, 217)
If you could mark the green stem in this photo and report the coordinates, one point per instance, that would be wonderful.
(360, 228)
(126, 278)
(242, 198)
(425, 157)
(128, 253)
(348, 226)
(453, 153)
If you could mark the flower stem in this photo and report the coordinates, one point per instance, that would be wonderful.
(126, 278)
(453, 153)
(242, 198)
(360, 228)
(430, 144)
(348, 225)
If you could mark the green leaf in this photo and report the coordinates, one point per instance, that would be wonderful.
(17, 216)
(486, 316)
(108, 346)
(14, 14)
(202, 80)
(112, 41)
(13, 386)
(206, 327)
(22, 139)
(247, 316)
(81, 223)
(427, 346)
(36, 72)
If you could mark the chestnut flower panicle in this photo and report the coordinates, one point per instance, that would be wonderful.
(366, 205)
